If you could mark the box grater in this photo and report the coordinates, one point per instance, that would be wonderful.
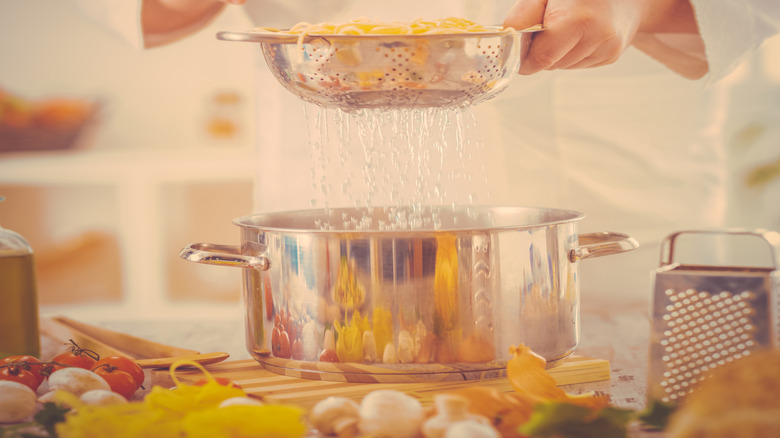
(706, 316)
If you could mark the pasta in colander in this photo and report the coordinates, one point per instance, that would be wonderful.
(365, 26)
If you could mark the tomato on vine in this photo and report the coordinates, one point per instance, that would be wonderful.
(15, 373)
(119, 381)
(27, 362)
(124, 364)
(75, 357)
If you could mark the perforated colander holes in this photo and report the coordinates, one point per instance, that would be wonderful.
(491, 54)
(702, 332)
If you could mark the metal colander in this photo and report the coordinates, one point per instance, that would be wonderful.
(352, 72)
(707, 316)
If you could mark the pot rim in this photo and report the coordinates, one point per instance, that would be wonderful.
(269, 221)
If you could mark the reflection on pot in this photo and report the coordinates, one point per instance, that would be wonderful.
(400, 306)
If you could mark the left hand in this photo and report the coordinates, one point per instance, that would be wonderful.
(589, 33)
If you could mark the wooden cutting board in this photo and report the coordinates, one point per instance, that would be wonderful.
(278, 388)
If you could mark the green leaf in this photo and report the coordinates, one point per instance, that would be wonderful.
(657, 414)
(50, 415)
(566, 420)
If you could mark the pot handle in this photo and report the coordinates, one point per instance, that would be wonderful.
(602, 244)
(224, 255)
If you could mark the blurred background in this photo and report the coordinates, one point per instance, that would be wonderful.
(130, 154)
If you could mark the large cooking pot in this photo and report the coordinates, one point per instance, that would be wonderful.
(375, 298)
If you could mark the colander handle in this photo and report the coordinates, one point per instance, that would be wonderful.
(772, 238)
(224, 255)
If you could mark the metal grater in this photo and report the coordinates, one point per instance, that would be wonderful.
(706, 316)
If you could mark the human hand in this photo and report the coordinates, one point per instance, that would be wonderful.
(591, 33)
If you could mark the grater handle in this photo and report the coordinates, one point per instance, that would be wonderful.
(772, 238)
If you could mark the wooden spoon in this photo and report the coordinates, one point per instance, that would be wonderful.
(166, 362)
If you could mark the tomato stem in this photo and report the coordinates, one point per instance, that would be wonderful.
(79, 351)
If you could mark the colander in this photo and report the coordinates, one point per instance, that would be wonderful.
(352, 72)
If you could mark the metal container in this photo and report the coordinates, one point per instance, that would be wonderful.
(392, 71)
(705, 316)
(443, 301)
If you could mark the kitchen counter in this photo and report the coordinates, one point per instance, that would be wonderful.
(617, 334)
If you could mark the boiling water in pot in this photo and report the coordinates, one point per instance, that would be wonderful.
(407, 158)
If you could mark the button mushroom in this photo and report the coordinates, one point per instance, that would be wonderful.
(336, 416)
(390, 413)
(450, 409)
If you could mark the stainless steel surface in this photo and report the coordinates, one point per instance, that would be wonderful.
(490, 277)
(392, 71)
(226, 255)
(705, 316)
(602, 244)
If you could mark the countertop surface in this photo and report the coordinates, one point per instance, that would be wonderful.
(619, 334)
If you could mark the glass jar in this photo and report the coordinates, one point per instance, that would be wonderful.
(18, 297)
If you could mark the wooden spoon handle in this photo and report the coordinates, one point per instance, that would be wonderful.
(165, 362)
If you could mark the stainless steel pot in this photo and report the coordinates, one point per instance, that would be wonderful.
(443, 301)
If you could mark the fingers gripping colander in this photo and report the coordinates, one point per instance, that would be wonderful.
(706, 316)
(352, 72)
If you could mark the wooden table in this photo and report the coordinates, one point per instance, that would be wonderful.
(618, 334)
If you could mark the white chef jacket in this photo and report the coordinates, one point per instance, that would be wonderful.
(633, 145)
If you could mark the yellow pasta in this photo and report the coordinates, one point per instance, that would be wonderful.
(365, 26)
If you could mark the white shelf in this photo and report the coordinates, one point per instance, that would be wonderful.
(121, 167)
(137, 177)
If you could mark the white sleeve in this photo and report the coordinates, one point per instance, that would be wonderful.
(729, 32)
(120, 17)
(733, 29)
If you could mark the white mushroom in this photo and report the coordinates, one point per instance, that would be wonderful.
(369, 347)
(406, 353)
(309, 337)
(420, 332)
(390, 413)
(389, 355)
(101, 397)
(471, 429)
(450, 409)
(329, 340)
(17, 401)
(77, 381)
(336, 416)
(240, 401)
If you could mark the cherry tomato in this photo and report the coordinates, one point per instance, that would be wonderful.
(29, 363)
(292, 329)
(73, 360)
(329, 355)
(284, 349)
(275, 340)
(15, 373)
(124, 364)
(75, 357)
(224, 381)
(120, 381)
